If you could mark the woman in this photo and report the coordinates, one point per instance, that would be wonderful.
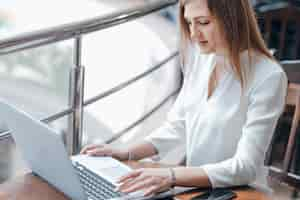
(232, 96)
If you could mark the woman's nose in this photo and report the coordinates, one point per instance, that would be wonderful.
(194, 32)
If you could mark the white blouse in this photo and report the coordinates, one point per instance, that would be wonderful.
(228, 134)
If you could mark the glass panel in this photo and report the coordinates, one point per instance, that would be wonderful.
(26, 16)
(37, 80)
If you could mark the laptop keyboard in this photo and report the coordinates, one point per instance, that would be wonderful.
(96, 187)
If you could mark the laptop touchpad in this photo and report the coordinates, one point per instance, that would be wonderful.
(107, 167)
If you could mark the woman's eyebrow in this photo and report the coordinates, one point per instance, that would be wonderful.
(195, 18)
(200, 17)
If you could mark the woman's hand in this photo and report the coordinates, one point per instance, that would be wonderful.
(150, 180)
(105, 150)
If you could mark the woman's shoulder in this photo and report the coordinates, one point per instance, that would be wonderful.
(262, 69)
(263, 63)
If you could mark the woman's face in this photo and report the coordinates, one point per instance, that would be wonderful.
(203, 27)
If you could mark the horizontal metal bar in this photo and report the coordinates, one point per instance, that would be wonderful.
(57, 115)
(271, 7)
(285, 177)
(68, 111)
(73, 30)
(5, 135)
(126, 83)
(143, 118)
(290, 62)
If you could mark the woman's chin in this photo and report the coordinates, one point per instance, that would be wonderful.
(205, 50)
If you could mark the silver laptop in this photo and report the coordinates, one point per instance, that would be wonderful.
(81, 177)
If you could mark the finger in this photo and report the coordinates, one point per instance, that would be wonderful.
(148, 182)
(84, 149)
(151, 190)
(129, 182)
(124, 185)
(89, 147)
(130, 175)
(99, 152)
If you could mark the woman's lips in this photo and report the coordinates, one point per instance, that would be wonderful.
(202, 42)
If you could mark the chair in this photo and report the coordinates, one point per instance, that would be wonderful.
(292, 70)
(284, 174)
(280, 26)
(287, 173)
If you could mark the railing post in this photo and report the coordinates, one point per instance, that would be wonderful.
(76, 92)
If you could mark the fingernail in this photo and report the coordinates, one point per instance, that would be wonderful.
(90, 153)
(119, 180)
(117, 189)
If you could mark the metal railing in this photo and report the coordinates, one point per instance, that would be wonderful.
(75, 30)
(76, 93)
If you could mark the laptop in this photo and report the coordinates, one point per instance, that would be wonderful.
(79, 177)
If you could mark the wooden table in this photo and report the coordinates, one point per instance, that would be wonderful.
(30, 187)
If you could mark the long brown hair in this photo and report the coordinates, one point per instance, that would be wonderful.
(237, 21)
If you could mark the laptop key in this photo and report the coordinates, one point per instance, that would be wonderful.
(94, 185)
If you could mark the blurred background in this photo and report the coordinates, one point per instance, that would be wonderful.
(37, 80)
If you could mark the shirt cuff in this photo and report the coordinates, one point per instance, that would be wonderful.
(159, 144)
(209, 171)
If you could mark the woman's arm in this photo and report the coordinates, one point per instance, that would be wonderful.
(154, 180)
(162, 140)
(266, 103)
(170, 134)
(191, 177)
(141, 150)
(172, 131)
(134, 152)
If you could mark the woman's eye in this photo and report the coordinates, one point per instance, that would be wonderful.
(198, 22)
(203, 22)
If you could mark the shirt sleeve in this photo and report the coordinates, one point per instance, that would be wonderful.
(266, 103)
(172, 132)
